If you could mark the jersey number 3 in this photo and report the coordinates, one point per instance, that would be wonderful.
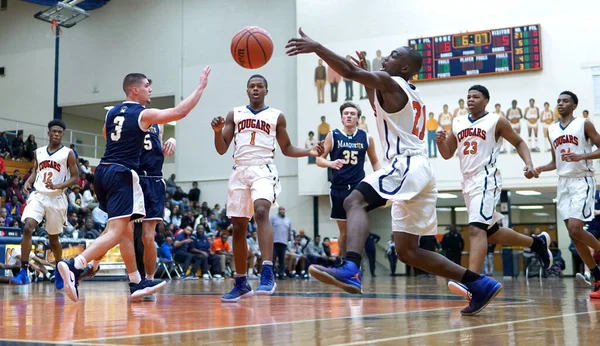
(118, 121)
(421, 112)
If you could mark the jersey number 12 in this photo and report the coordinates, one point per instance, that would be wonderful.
(420, 112)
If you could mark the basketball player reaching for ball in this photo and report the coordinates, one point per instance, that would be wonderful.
(54, 169)
(547, 120)
(254, 182)
(532, 114)
(406, 180)
(117, 183)
(571, 139)
(347, 148)
(445, 119)
(478, 139)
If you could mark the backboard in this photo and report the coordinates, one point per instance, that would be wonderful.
(64, 14)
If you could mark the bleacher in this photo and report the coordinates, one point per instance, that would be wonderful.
(22, 166)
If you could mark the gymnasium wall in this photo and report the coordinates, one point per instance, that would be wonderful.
(569, 45)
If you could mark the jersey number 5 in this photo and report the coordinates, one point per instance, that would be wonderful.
(118, 121)
(421, 111)
(147, 143)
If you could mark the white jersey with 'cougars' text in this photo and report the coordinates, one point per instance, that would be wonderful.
(571, 139)
(255, 135)
(402, 132)
(51, 167)
(478, 147)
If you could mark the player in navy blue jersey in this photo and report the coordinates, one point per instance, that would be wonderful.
(117, 183)
(346, 148)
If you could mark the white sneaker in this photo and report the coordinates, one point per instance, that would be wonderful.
(459, 289)
(205, 277)
(217, 276)
(584, 279)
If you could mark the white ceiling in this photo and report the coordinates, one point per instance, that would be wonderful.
(97, 111)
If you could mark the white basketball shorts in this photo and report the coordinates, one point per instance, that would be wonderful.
(482, 194)
(249, 183)
(576, 198)
(53, 207)
(408, 182)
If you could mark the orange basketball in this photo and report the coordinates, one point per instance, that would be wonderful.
(252, 47)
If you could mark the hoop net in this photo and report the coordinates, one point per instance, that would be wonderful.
(55, 28)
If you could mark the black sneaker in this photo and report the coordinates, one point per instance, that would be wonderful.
(145, 287)
(70, 276)
(88, 272)
(544, 251)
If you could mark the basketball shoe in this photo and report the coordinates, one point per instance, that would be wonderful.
(459, 289)
(596, 291)
(70, 276)
(483, 291)
(22, 278)
(58, 280)
(584, 279)
(544, 251)
(145, 288)
(88, 272)
(347, 276)
(267, 284)
(241, 289)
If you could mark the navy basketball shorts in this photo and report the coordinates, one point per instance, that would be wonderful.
(119, 192)
(336, 198)
(154, 189)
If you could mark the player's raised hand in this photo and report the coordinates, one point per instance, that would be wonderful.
(301, 45)
(530, 172)
(217, 124)
(317, 149)
(440, 136)
(169, 147)
(360, 61)
(204, 77)
(337, 164)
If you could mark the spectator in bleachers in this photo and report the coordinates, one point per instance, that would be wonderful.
(195, 209)
(187, 219)
(300, 258)
(202, 246)
(13, 208)
(5, 219)
(76, 200)
(85, 168)
(171, 185)
(17, 146)
(72, 146)
(176, 216)
(217, 211)
(178, 197)
(194, 194)
(89, 200)
(182, 254)
(14, 190)
(100, 218)
(253, 245)
(165, 251)
(30, 147)
(89, 231)
(73, 223)
(221, 247)
(315, 254)
(204, 209)
(327, 250)
(167, 216)
(83, 180)
(212, 222)
(4, 146)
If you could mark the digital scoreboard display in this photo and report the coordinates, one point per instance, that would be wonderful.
(481, 53)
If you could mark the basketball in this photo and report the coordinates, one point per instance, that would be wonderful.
(252, 47)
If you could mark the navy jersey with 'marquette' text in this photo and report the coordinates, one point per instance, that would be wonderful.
(124, 137)
(351, 149)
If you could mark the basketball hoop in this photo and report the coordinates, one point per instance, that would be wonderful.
(64, 14)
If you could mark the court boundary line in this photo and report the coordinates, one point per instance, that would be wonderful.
(446, 331)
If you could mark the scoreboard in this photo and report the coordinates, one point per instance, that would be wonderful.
(487, 52)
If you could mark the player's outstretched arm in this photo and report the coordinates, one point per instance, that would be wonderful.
(592, 134)
(163, 116)
(223, 129)
(504, 130)
(372, 153)
(376, 80)
(446, 144)
(286, 145)
(73, 171)
(552, 165)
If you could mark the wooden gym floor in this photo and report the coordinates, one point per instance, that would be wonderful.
(392, 311)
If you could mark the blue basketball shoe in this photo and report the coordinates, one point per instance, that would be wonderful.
(483, 291)
(267, 284)
(347, 276)
(70, 276)
(241, 289)
(145, 288)
(58, 280)
(22, 278)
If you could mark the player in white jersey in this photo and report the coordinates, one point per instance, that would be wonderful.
(445, 119)
(548, 119)
(461, 110)
(55, 169)
(514, 115)
(532, 114)
(255, 130)
(498, 111)
(571, 139)
(478, 139)
(406, 179)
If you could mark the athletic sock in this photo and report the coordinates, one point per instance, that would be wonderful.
(135, 277)
(469, 277)
(354, 257)
(267, 263)
(80, 262)
(537, 244)
(150, 277)
(596, 273)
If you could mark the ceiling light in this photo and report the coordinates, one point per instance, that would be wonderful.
(460, 209)
(531, 207)
(446, 195)
(108, 107)
(528, 193)
(541, 214)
